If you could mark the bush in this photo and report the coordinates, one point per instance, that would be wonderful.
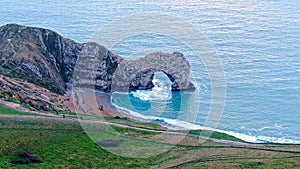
(117, 117)
(24, 157)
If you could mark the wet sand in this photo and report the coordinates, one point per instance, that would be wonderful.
(99, 103)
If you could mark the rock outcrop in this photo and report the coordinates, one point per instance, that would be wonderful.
(95, 67)
(138, 74)
(45, 58)
(39, 56)
(33, 96)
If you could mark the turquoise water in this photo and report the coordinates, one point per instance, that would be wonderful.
(258, 43)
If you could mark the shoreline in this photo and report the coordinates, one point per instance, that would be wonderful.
(173, 124)
(112, 110)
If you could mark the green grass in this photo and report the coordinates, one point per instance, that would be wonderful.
(66, 145)
(68, 113)
(125, 121)
(130, 122)
(136, 123)
(216, 135)
(8, 111)
(60, 149)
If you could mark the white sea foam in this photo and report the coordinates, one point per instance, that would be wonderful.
(159, 92)
(245, 137)
(162, 92)
(190, 126)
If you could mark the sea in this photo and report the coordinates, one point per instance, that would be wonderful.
(257, 43)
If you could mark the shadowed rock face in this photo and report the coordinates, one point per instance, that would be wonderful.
(138, 74)
(95, 67)
(45, 58)
(39, 56)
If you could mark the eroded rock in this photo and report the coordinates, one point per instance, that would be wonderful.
(45, 58)
(138, 74)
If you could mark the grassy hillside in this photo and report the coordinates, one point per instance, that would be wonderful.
(5, 110)
(63, 144)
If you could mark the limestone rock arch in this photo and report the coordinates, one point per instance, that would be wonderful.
(138, 74)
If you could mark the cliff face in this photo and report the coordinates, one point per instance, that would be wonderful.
(138, 74)
(95, 67)
(45, 58)
(33, 96)
(35, 59)
(39, 56)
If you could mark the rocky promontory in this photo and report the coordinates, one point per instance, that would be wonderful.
(138, 74)
(45, 58)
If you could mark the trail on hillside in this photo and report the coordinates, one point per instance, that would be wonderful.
(61, 118)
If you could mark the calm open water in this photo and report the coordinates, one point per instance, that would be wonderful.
(258, 43)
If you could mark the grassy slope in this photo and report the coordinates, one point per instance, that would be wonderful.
(149, 125)
(124, 121)
(66, 145)
(61, 144)
(216, 135)
(5, 110)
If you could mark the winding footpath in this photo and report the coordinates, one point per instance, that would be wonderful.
(43, 116)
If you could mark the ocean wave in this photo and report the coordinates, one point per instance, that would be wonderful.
(159, 92)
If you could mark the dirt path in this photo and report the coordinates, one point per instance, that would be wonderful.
(43, 116)
(18, 107)
(227, 143)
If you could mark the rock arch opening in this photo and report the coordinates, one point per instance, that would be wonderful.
(150, 78)
(160, 79)
(139, 74)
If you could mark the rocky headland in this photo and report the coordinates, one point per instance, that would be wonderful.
(45, 59)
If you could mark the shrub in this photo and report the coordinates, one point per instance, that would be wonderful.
(24, 157)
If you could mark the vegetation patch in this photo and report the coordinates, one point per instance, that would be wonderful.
(109, 143)
(24, 157)
(50, 143)
(8, 111)
(214, 134)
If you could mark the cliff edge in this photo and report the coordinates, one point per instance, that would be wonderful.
(45, 58)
